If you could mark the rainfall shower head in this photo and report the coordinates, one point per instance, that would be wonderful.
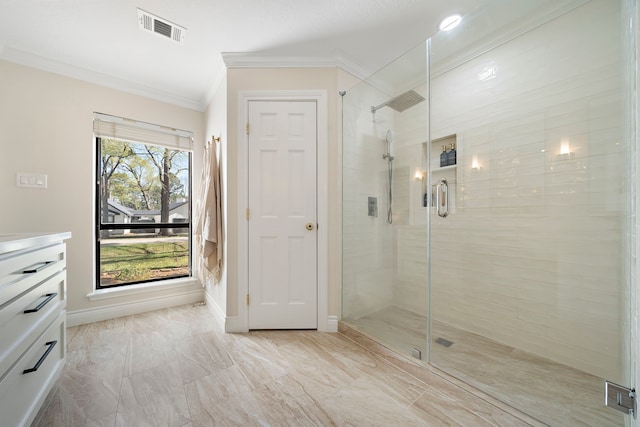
(401, 102)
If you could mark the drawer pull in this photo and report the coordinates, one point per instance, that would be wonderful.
(43, 303)
(50, 345)
(36, 267)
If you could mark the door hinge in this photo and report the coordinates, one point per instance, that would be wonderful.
(247, 213)
(621, 398)
(247, 299)
(247, 128)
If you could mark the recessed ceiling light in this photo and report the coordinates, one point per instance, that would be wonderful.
(450, 22)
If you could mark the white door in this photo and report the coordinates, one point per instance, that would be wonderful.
(282, 219)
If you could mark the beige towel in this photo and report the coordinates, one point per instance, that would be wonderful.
(209, 224)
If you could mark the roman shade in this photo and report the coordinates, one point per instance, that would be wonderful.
(107, 126)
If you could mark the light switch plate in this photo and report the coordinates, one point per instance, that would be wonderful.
(31, 180)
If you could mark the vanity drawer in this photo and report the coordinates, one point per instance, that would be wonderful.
(24, 318)
(20, 272)
(26, 385)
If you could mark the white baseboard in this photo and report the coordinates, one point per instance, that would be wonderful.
(230, 324)
(332, 324)
(233, 324)
(97, 314)
(214, 309)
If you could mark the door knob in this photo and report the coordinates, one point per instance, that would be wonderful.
(309, 226)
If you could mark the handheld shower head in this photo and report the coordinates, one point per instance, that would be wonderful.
(388, 138)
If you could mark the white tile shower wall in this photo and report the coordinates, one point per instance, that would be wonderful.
(532, 256)
(368, 252)
(410, 291)
(630, 49)
(410, 284)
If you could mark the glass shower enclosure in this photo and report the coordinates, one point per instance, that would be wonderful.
(487, 204)
(385, 240)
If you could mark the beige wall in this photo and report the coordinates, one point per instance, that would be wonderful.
(46, 127)
(51, 116)
(216, 124)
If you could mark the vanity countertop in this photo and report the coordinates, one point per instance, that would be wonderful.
(11, 242)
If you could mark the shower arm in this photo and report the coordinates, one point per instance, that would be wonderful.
(376, 108)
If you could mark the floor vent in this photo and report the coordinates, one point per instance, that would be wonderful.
(161, 27)
(444, 342)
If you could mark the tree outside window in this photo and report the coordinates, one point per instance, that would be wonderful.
(144, 212)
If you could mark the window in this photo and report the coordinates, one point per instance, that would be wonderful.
(143, 202)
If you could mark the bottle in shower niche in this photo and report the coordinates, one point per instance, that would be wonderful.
(444, 157)
(451, 155)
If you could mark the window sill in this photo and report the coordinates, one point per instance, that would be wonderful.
(100, 294)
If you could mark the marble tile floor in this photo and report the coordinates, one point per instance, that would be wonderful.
(175, 367)
(551, 392)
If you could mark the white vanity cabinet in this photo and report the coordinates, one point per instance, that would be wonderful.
(32, 322)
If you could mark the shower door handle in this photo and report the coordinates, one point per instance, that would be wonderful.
(442, 198)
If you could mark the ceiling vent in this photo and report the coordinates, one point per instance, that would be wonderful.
(161, 27)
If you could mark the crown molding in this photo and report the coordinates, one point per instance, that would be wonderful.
(67, 70)
(228, 60)
(355, 69)
(268, 60)
(273, 60)
(214, 84)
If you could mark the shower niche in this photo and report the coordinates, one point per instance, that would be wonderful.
(445, 157)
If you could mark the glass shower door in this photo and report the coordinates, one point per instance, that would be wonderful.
(530, 237)
(384, 269)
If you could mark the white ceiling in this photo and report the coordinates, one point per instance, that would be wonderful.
(99, 40)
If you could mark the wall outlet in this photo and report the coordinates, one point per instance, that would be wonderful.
(31, 180)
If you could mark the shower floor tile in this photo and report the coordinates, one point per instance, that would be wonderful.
(551, 392)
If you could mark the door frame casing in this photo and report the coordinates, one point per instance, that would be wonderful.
(322, 197)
